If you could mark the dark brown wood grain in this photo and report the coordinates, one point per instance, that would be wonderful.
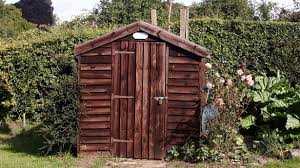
(153, 103)
(94, 147)
(123, 102)
(131, 92)
(145, 111)
(96, 60)
(95, 74)
(138, 101)
(95, 133)
(95, 67)
(115, 107)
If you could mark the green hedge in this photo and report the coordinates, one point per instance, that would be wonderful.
(264, 47)
(37, 68)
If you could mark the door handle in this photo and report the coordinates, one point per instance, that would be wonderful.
(160, 99)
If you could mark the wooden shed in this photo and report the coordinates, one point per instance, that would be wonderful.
(140, 91)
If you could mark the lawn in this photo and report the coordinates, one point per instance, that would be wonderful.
(291, 163)
(20, 148)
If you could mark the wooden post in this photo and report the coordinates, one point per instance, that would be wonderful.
(153, 17)
(24, 120)
(170, 2)
(184, 23)
(187, 19)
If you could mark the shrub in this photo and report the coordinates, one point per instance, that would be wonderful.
(275, 106)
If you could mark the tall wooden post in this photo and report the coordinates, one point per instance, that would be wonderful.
(153, 17)
(184, 23)
(170, 2)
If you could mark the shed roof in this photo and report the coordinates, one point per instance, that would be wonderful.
(142, 27)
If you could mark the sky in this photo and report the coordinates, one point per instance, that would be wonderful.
(68, 9)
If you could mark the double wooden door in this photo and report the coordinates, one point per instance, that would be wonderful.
(139, 99)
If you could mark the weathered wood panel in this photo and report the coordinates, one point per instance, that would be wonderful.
(183, 97)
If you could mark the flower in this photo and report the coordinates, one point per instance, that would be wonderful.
(249, 77)
(208, 65)
(229, 82)
(250, 82)
(222, 81)
(240, 72)
(217, 74)
(243, 78)
(209, 85)
(219, 102)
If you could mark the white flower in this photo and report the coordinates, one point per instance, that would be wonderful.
(208, 65)
(217, 74)
(240, 72)
(249, 77)
(222, 81)
(250, 82)
(243, 78)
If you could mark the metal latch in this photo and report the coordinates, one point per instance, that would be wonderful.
(160, 99)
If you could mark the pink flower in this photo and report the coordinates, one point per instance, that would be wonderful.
(219, 102)
(240, 72)
(209, 85)
(250, 82)
(217, 74)
(229, 82)
(208, 65)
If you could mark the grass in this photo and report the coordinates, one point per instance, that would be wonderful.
(291, 163)
(20, 148)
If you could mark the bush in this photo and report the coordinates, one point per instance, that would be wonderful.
(264, 47)
(274, 112)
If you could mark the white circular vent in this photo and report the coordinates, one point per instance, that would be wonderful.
(140, 36)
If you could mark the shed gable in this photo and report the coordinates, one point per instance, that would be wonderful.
(142, 27)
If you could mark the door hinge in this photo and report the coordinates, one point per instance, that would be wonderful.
(124, 52)
(122, 97)
(121, 140)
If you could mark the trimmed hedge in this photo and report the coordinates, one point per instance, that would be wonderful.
(265, 47)
(38, 68)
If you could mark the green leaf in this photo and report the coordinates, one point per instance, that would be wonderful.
(248, 121)
(292, 122)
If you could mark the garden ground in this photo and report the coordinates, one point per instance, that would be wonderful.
(20, 148)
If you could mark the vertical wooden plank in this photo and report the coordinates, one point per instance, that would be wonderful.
(123, 102)
(79, 130)
(153, 84)
(131, 92)
(115, 102)
(145, 147)
(166, 94)
(138, 100)
(159, 146)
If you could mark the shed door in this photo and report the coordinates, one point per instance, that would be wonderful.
(138, 99)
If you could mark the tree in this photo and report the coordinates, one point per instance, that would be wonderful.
(39, 12)
(265, 10)
(291, 15)
(11, 21)
(224, 9)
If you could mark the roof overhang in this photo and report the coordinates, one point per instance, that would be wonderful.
(147, 28)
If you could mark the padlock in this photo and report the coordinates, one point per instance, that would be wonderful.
(160, 101)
